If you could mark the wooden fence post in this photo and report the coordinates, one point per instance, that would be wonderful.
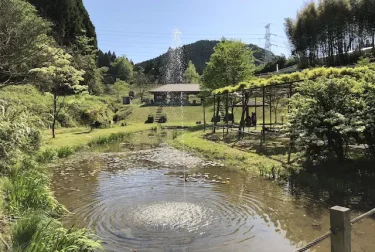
(341, 229)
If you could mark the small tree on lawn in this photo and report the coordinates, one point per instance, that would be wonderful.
(141, 82)
(60, 78)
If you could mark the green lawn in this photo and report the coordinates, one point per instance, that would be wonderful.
(176, 115)
(194, 142)
(74, 137)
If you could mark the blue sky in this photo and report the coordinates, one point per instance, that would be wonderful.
(141, 29)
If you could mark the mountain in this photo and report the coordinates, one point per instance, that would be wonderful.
(199, 53)
(69, 18)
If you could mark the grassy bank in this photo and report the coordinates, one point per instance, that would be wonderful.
(194, 142)
(77, 137)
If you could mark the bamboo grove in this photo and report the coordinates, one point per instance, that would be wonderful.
(332, 32)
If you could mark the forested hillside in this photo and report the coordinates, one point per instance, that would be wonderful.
(198, 52)
(332, 32)
(69, 17)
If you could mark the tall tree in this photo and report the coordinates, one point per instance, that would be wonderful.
(122, 69)
(191, 75)
(84, 57)
(20, 43)
(60, 78)
(70, 19)
(329, 31)
(231, 63)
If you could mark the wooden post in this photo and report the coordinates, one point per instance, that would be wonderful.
(255, 111)
(227, 111)
(289, 96)
(204, 113)
(270, 109)
(341, 229)
(264, 115)
(214, 117)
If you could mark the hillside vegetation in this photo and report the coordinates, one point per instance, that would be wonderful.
(199, 53)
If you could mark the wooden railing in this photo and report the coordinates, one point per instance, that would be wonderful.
(340, 231)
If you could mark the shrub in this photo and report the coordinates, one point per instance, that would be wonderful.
(38, 232)
(47, 156)
(150, 118)
(162, 118)
(29, 190)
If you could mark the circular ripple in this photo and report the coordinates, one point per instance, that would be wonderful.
(172, 216)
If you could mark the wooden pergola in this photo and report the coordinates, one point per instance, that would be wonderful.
(255, 97)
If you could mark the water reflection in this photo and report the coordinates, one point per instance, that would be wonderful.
(106, 189)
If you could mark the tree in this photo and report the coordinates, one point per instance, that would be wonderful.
(122, 69)
(84, 57)
(21, 43)
(231, 63)
(325, 114)
(141, 82)
(332, 32)
(70, 19)
(191, 75)
(59, 77)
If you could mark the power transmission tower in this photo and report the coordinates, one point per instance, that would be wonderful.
(268, 45)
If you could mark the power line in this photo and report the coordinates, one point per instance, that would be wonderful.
(198, 34)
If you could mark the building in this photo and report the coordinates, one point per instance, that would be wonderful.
(174, 93)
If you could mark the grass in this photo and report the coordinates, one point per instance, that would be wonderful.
(188, 115)
(78, 137)
(194, 142)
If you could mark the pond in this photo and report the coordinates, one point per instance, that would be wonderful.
(135, 198)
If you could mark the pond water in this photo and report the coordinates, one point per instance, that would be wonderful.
(135, 198)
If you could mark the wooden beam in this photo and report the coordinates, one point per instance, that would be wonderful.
(264, 115)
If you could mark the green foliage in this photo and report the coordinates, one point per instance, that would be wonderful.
(59, 77)
(38, 232)
(306, 74)
(18, 139)
(111, 138)
(326, 32)
(90, 110)
(141, 81)
(70, 19)
(363, 61)
(231, 63)
(191, 75)
(29, 191)
(46, 156)
(330, 114)
(21, 43)
(84, 57)
(122, 69)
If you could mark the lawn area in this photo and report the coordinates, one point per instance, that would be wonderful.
(195, 142)
(74, 137)
(188, 115)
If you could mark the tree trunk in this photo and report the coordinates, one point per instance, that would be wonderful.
(54, 114)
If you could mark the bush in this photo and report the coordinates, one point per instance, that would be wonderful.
(46, 156)
(38, 232)
(150, 119)
(29, 190)
(162, 118)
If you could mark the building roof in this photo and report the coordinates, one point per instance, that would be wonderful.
(177, 88)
